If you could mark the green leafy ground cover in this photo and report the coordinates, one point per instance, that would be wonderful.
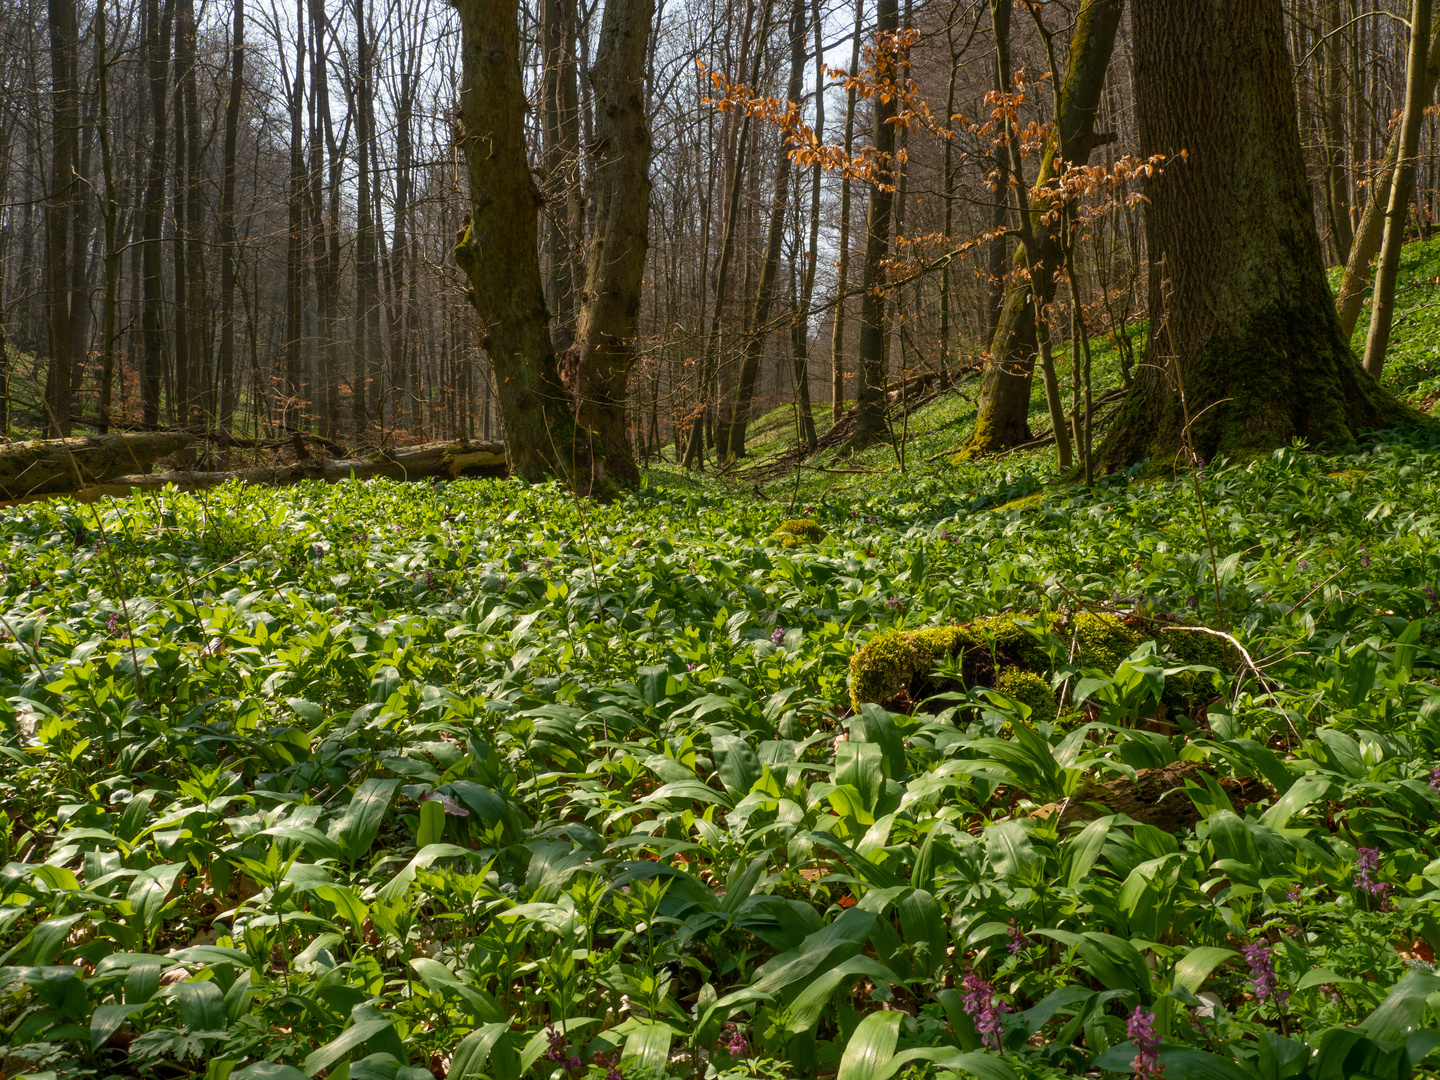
(471, 780)
(474, 780)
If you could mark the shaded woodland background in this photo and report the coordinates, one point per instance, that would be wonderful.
(259, 238)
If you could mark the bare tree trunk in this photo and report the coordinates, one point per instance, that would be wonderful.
(367, 268)
(564, 214)
(499, 252)
(152, 314)
(800, 324)
(194, 314)
(1382, 308)
(111, 214)
(842, 269)
(1020, 337)
(609, 321)
(871, 425)
(59, 211)
(730, 436)
(1368, 234)
(227, 220)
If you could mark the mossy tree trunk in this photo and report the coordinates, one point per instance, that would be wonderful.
(610, 315)
(1005, 386)
(499, 252)
(1241, 318)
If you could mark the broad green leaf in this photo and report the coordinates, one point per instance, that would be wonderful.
(360, 824)
(352, 1037)
(1196, 966)
(471, 1057)
(871, 1047)
(202, 1005)
(647, 1048)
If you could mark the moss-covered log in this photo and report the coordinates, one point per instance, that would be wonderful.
(49, 466)
(1156, 797)
(1013, 655)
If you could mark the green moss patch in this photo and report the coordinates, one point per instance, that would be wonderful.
(1011, 653)
(799, 531)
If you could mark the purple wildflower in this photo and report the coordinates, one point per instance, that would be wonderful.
(610, 1064)
(734, 1041)
(1303, 565)
(874, 520)
(1018, 938)
(894, 603)
(524, 566)
(556, 1051)
(429, 579)
(946, 535)
(777, 637)
(1435, 779)
(549, 564)
(1367, 859)
(1262, 971)
(1192, 603)
(1141, 1028)
(1294, 895)
(691, 666)
(1364, 554)
(984, 1008)
(1430, 594)
(99, 546)
(317, 552)
(112, 625)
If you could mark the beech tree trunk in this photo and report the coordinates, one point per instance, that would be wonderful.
(842, 267)
(870, 404)
(1368, 233)
(152, 320)
(227, 221)
(1244, 347)
(1382, 308)
(59, 211)
(609, 319)
(1005, 387)
(499, 251)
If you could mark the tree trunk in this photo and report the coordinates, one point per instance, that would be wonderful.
(564, 216)
(609, 321)
(1369, 232)
(111, 214)
(227, 221)
(1002, 419)
(1332, 113)
(1382, 307)
(730, 436)
(194, 314)
(499, 252)
(152, 313)
(59, 211)
(870, 405)
(1244, 349)
(842, 269)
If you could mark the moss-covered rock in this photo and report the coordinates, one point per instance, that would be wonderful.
(799, 531)
(1027, 502)
(1029, 689)
(1009, 652)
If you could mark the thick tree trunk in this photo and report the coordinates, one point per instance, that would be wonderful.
(111, 212)
(295, 238)
(1005, 388)
(1244, 348)
(870, 424)
(609, 320)
(564, 217)
(498, 250)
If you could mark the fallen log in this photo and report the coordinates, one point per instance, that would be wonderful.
(422, 462)
(52, 466)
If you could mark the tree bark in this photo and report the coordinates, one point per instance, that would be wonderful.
(59, 211)
(227, 220)
(499, 252)
(609, 320)
(870, 424)
(564, 216)
(1356, 282)
(730, 435)
(1002, 419)
(1244, 349)
(152, 313)
(842, 268)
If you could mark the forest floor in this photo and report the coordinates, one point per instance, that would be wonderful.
(475, 779)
